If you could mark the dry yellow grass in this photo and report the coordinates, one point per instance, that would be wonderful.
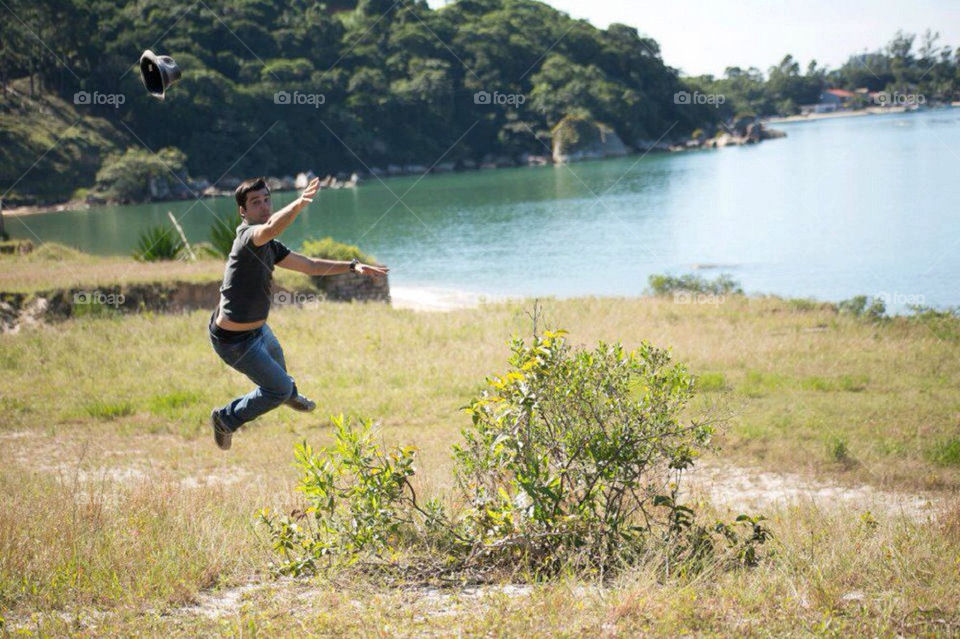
(118, 507)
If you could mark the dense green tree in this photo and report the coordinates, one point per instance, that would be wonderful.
(378, 81)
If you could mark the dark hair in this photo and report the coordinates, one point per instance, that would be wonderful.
(253, 184)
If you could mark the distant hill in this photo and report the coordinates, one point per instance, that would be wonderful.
(47, 148)
(279, 86)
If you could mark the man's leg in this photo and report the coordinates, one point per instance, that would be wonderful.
(273, 346)
(274, 385)
(296, 400)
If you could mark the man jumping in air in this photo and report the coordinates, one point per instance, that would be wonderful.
(238, 327)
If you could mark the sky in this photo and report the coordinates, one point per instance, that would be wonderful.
(707, 36)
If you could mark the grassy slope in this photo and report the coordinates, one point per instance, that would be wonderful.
(54, 266)
(108, 461)
(49, 146)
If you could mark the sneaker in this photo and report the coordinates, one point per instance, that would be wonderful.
(221, 432)
(301, 403)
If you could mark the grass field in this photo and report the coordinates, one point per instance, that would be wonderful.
(120, 515)
(54, 266)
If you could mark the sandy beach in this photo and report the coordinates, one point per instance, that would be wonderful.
(836, 114)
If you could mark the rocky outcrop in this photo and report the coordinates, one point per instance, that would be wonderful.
(578, 138)
(743, 132)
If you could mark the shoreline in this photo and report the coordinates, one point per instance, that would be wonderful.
(437, 299)
(531, 162)
(810, 117)
(34, 209)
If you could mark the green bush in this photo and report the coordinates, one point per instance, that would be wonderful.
(158, 243)
(572, 461)
(329, 249)
(357, 500)
(126, 177)
(206, 250)
(689, 283)
(569, 450)
(838, 449)
(863, 307)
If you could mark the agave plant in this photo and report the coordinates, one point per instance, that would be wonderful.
(158, 243)
(222, 234)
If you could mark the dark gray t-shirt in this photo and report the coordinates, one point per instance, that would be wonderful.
(247, 278)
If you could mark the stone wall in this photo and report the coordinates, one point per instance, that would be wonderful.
(169, 297)
(347, 287)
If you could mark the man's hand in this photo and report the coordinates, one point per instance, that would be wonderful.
(307, 196)
(372, 271)
(280, 220)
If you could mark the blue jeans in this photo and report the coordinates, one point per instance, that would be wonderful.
(260, 358)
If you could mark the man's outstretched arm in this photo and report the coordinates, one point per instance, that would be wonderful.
(283, 218)
(316, 266)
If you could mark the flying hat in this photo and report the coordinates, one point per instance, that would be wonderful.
(158, 73)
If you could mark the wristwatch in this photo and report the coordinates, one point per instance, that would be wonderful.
(353, 265)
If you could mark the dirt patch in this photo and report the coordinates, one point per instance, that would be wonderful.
(738, 487)
(220, 603)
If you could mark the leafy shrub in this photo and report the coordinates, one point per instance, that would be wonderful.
(573, 460)
(158, 243)
(356, 497)
(864, 307)
(839, 450)
(689, 283)
(206, 250)
(569, 450)
(329, 249)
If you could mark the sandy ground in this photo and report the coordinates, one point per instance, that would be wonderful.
(750, 489)
(836, 114)
(434, 299)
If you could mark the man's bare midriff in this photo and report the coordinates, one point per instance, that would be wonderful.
(229, 325)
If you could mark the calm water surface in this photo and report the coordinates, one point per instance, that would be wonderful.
(838, 208)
